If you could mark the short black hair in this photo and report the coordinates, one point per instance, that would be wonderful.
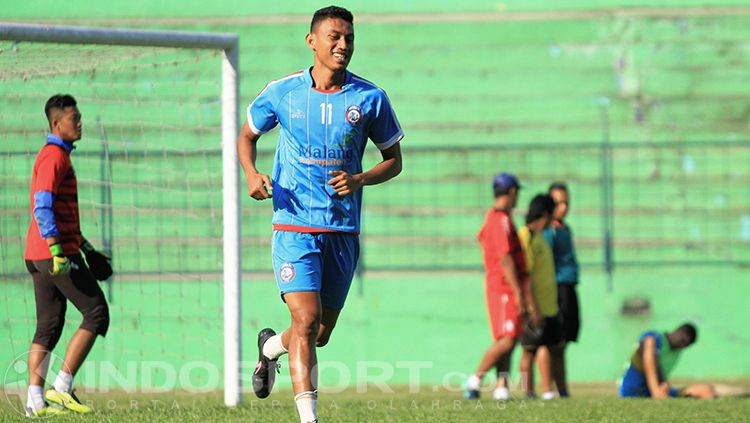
(690, 331)
(539, 204)
(331, 12)
(58, 101)
(558, 185)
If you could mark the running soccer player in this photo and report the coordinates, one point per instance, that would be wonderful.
(53, 258)
(506, 286)
(560, 238)
(541, 267)
(653, 361)
(326, 114)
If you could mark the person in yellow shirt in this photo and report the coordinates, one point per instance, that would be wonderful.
(541, 267)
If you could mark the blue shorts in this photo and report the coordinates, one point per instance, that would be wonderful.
(323, 262)
(633, 384)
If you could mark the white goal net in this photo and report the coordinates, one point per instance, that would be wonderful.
(157, 187)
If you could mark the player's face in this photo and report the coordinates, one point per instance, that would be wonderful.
(67, 124)
(332, 40)
(513, 193)
(561, 204)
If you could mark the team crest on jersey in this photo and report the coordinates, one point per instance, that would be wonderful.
(353, 114)
(286, 273)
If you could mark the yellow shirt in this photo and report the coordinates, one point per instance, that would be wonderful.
(541, 267)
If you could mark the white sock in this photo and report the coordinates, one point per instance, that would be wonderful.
(273, 348)
(546, 396)
(306, 405)
(35, 397)
(501, 394)
(63, 382)
(473, 383)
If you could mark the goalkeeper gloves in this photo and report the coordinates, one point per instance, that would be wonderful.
(60, 263)
(99, 263)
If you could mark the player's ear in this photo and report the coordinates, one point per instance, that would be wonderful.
(310, 38)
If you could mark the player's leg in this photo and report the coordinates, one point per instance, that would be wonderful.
(339, 253)
(700, 391)
(327, 323)
(531, 340)
(557, 362)
(527, 371)
(547, 355)
(544, 363)
(82, 289)
(633, 384)
(505, 327)
(299, 268)
(297, 264)
(50, 318)
(340, 256)
(500, 347)
(502, 368)
(306, 314)
(84, 292)
(328, 320)
(569, 328)
(494, 354)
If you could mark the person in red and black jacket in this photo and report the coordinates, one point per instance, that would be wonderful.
(53, 258)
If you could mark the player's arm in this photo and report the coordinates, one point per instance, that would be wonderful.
(345, 183)
(531, 304)
(258, 184)
(659, 389)
(52, 171)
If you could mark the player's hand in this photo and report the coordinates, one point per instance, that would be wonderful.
(259, 185)
(661, 392)
(60, 263)
(344, 183)
(537, 319)
(519, 304)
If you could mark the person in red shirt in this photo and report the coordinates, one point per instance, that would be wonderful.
(53, 258)
(506, 286)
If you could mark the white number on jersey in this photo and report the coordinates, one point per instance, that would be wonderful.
(323, 113)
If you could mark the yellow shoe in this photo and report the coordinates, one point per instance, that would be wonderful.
(46, 411)
(67, 400)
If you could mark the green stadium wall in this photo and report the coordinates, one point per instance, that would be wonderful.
(426, 328)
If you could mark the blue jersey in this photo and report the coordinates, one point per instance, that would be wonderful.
(560, 238)
(320, 131)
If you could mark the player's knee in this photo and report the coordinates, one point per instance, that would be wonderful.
(323, 338)
(96, 319)
(526, 359)
(48, 331)
(305, 324)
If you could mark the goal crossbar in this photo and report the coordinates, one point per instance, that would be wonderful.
(229, 45)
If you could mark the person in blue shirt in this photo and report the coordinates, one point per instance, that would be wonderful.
(326, 115)
(653, 361)
(560, 238)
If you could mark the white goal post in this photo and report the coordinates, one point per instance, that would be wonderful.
(229, 45)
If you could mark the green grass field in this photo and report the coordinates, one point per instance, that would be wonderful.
(592, 403)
